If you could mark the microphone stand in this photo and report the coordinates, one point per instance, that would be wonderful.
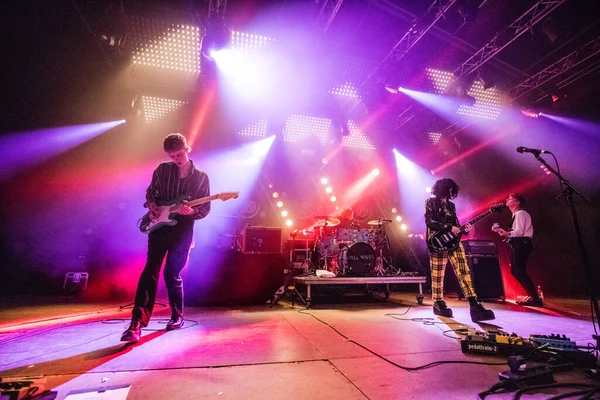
(568, 191)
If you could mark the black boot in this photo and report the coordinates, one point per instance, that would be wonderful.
(440, 308)
(478, 311)
(133, 333)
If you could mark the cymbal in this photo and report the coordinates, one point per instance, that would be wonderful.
(379, 221)
(323, 220)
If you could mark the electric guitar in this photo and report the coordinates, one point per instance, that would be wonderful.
(167, 210)
(448, 241)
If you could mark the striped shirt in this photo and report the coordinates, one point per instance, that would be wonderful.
(166, 186)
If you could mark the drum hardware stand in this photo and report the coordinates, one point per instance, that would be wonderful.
(291, 288)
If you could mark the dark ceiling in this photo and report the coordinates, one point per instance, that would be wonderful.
(55, 64)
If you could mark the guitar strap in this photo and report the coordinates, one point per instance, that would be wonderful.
(512, 221)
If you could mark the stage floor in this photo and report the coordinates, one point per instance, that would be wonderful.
(351, 349)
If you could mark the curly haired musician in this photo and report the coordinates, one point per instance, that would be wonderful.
(519, 235)
(441, 219)
(170, 180)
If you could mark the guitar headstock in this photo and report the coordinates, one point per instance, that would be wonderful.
(228, 195)
(496, 208)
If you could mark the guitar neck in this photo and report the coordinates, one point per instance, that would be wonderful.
(479, 217)
(197, 202)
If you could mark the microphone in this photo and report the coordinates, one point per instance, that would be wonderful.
(537, 152)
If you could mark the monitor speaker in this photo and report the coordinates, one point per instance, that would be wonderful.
(486, 275)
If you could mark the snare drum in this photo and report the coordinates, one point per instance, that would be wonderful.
(357, 260)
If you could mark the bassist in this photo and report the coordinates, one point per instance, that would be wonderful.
(176, 178)
(440, 217)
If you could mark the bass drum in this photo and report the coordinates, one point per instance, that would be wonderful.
(357, 260)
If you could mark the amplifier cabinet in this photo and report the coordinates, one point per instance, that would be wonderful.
(261, 240)
(486, 275)
(480, 247)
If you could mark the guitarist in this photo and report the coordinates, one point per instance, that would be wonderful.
(440, 216)
(172, 179)
(519, 237)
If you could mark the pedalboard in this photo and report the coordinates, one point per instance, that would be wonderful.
(545, 348)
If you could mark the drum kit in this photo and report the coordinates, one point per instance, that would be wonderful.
(351, 250)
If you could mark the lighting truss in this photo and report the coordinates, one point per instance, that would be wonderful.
(415, 32)
(418, 29)
(217, 6)
(521, 25)
(327, 13)
(563, 65)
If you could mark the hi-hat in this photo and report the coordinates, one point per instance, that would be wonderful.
(323, 220)
(379, 221)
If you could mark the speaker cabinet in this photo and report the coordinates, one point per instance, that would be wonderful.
(233, 278)
(486, 275)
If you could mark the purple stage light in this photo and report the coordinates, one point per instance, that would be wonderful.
(346, 90)
(357, 138)
(299, 127)
(440, 79)
(38, 146)
(178, 49)
(434, 137)
(257, 129)
(156, 107)
(246, 42)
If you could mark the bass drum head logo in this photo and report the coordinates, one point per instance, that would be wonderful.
(250, 209)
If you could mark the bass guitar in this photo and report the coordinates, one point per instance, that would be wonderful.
(167, 210)
(448, 241)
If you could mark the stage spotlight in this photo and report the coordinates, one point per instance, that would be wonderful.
(427, 189)
(289, 222)
(403, 227)
(328, 189)
(284, 213)
(280, 204)
(375, 172)
(392, 89)
(333, 199)
(394, 210)
(216, 36)
(530, 113)
(486, 79)
(275, 195)
(323, 181)
(398, 218)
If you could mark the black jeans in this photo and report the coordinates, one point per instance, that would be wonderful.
(521, 248)
(173, 241)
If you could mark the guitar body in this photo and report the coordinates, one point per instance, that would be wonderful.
(165, 217)
(444, 241)
(449, 241)
(166, 210)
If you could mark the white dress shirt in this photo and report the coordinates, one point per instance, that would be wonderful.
(522, 225)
